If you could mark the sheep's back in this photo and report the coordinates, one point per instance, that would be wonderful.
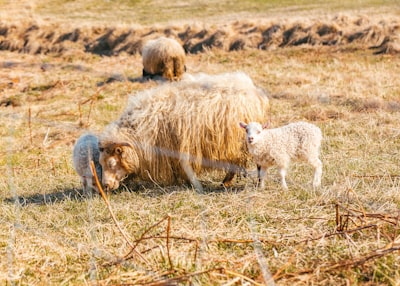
(199, 117)
(86, 150)
(295, 139)
(162, 53)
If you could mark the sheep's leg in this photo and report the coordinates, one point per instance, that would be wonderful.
(227, 181)
(190, 173)
(168, 71)
(317, 164)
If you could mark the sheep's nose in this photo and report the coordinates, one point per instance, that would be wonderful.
(251, 139)
(107, 187)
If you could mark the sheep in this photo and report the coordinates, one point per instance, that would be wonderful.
(300, 140)
(86, 149)
(173, 131)
(163, 57)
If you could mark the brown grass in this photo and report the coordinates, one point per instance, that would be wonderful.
(345, 233)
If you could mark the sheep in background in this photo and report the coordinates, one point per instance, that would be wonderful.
(173, 131)
(163, 57)
(300, 140)
(86, 149)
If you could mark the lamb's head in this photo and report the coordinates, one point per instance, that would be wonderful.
(118, 160)
(86, 150)
(253, 130)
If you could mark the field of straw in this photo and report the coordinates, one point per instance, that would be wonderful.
(68, 67)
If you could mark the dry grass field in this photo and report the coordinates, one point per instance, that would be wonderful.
(67, 67)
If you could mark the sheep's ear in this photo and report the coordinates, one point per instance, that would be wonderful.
(243, 125)
(118, 150)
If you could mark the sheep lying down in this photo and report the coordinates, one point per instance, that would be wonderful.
(86, 149)
(278, 146)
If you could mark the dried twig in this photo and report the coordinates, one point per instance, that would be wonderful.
(168, 230)
(103, 195)
(30, 125)
(377, 176)
(392, 219)
(344, 263)
(338, 233)
(242, 276)
(174, 280)
(136, 242)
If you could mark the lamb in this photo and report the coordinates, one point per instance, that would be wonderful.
(300, 140)
(86, 149)
(163, 57)
(170, 133)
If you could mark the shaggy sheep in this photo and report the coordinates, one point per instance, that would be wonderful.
(300, 140)
(86, 149)
(163, 57)
(173, 131)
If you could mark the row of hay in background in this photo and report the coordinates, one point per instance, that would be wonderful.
(340, 31)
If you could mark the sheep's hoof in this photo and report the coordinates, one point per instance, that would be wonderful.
(227, 184)
(228, 180)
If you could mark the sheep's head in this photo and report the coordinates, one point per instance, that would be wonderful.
(253, 129)
(118, 160)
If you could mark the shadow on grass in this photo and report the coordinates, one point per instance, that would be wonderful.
(151, 189)
(51, 198)
(145, 188)
(122, 78)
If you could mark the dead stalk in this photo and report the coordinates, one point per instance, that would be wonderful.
(242, 276)
(175, 280)
(168, 231)
(80, 114)
(344, 263)
(53, 167)
(103, 195)
(30, 124)
(337, 217)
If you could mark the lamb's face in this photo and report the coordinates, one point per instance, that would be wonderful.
(253, 130)
(114, 166)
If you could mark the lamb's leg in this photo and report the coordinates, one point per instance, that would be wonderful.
(282, 172)
(261, 172)
(317, 164)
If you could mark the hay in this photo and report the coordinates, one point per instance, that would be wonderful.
(341, 31)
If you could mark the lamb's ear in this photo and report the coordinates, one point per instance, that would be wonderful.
(243, 125)
(266, 125)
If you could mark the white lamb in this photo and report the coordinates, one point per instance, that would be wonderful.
(277, 146)
(86, 149)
